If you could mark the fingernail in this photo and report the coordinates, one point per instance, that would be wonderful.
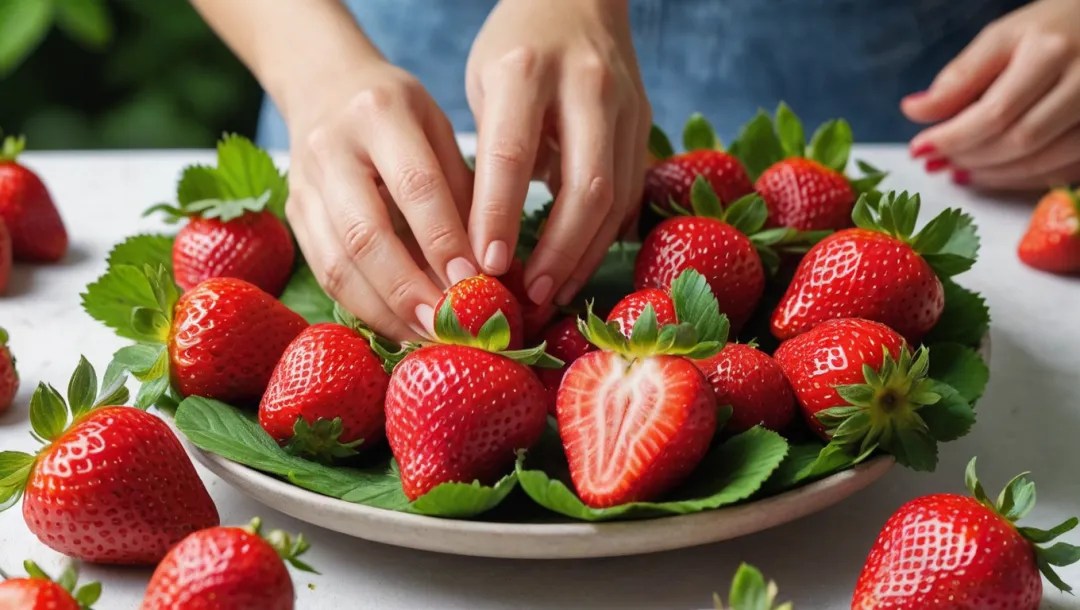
(459, 269)
(540, 289)
(936, 165)
(425, 315)
(421, 332)
(923, 150)
(497, 257)
(915, 96)
(568, 292)
(961, 177)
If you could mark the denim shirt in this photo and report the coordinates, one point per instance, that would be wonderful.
(725, 58)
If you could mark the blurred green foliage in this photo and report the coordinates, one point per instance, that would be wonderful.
(119, 74)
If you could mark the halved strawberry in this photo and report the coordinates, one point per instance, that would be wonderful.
(474, 300)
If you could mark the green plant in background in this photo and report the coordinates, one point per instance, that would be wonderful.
(118, 74)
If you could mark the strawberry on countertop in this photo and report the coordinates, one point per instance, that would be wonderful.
(953, 552)
(1052, 240)
(37, 231)
(38, 591)
(9, 377)
(112, 484)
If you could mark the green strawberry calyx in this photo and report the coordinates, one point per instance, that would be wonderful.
(51, 416)
(749, 591)
(85, 595)
(320, 441)
(700, 333)
(11, 148)
(288, 547)
(4, 349)
(1014, 503)
(947, 242)
(698, 134)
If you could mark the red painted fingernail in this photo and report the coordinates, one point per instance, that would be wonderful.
(936, 165)
(923, 150)
(961, 177)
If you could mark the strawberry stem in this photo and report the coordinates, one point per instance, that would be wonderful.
(288, 548)
(320, 441)
(12, 147)
(749, 591)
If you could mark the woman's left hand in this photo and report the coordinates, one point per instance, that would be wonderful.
(1008, 107)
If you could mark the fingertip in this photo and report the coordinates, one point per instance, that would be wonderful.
(459, 269)
(540, 289)
(497, 258)
(425, 316)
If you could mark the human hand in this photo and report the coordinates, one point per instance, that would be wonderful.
(378, 194)
(1008, 107)
(557, 94)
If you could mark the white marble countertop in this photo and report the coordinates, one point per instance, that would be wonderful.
(1028, 420)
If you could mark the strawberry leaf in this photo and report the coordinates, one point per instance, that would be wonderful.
(964, 240)
(304, 296)
(659, 144)
(82, 388)
(831, 144)
(114, 297)
(951, 417)
(150, 391)
(229, 209)
(48, 413)
(809, 462)
(699, 134)
(1039, 536)
(494, 335)
(139, 250)
(747, 214)
(757, 145)
(246, 171)
(12, 146)
(961, 368)
(730, 473)
(464, 500)
(15, 467)
(696, 305)
(965, 319)
(869, 181)
(320, 441)
(790, 130)
(644, 334)
(749, 591)
(704, 200)
(948, 265)
(197, 183)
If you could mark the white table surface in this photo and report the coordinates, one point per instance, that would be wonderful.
(1029, 420)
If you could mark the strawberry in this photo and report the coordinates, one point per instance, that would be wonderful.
(627, 311)
(474, 300)
(9, 377)
(5, 256)
(859, 386)
(877, 271)
(1052, 240)
(112, 484)
(228, 568)
(753, 385)
(637, 416)
(669, 178)
(37, 231)
(326, 394)
(565, 342)
(40, 592)
(804, 186)
(955, 552)
(459, 411)
(749, 591)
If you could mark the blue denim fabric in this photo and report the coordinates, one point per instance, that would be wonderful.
(725, 58)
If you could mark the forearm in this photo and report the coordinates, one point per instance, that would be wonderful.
(289, 45)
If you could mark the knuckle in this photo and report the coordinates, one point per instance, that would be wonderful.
(997, 114)
(398, 296)
(496, 214)
(371, 101)
(597, 193)
(521, 61)
(361, 239)
(332, 279)
(1024, 138)
(598, 77)
(416, 182)
(319, 143)
(1055, 45)
(441, 238)
(508, 155)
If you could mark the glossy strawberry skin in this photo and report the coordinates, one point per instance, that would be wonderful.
(37, 231)
(477, 298)
(948, 552)
(535, 317)
(328, 371)
(256, 248)
(830, 355)
(1052, 240)
(672, 178)
(565, 342)
(456, 413)
(116, 488)
(9, 378)
(659, 419)
(5, 256)
(627, 311)
(753, 385)
(226, 338)
(221, 568)
(806, 195)
(716, 250)
(858, 273)
(35, 594)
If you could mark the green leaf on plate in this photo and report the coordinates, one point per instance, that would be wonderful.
(960, 367)
(951, 417)
(464, 500)
(304, 296)
(965, 319)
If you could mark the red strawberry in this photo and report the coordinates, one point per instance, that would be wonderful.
(565, 342)
(670, 176)
(9, 377)
(953, 552)
(5, 256)
(37, 231)
(255, 247)
(460, 412)
(326, 394)
(227, 568)
(629, 309)
(753, 385)
(40, 592)
(1052, 241)
(535, 317)
(638, 416)
(112, 485)
(474, 300)
(878, 271)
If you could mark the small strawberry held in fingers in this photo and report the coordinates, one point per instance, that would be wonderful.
(879, 270)
(565, 342)
(228, 568)
(953, 552)
(112, 484)
(37, 231)
(38, 591)
(475, 299)
(1052, 240)
(638, 416)
(753, 385)
(627, 311)
(9, 377)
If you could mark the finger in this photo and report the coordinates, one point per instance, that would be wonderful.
(509, 136)
(459, 178)
(403, 157)
(641, 142)
(1034, 70)
(962, 81)
(362, 223)
(1048, 119)
(582, 205)
(1054, 162)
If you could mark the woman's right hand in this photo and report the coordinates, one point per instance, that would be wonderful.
(378, 194)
